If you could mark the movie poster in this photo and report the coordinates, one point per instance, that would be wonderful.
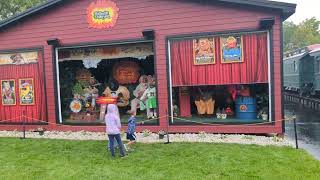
(8, 93)
(203, 51)
(26, 91)
(231, 49)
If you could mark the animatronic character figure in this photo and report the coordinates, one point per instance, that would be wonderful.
(91, 92)
(138, 92)
(245, 91)
(150, 96)
(85, 89)
(117, 91)
(205, 104)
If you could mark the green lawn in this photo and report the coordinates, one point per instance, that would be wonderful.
(61, 159)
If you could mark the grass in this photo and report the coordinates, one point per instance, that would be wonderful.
(62, 159)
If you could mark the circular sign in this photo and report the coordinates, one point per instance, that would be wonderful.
(126, 72)
(75, 106)
(243, 108)
(102, 14)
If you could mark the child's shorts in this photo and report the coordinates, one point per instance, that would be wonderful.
(131, 137)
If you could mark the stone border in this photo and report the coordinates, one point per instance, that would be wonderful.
(154, 138)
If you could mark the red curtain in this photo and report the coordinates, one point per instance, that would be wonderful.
(33, 112)
(254, 69)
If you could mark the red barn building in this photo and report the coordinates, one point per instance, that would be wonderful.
(216, 64)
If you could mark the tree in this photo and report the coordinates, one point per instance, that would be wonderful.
(301, 35)
(289, 29)
(9, 8)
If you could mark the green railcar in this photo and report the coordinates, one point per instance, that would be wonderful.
(301, 71)
(316, 55)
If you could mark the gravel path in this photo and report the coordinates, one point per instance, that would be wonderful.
(154, 138)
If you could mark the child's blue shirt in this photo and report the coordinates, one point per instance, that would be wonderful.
(131, 125)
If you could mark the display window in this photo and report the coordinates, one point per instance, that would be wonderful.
(221, 104)
(233, 89)
(90, 78)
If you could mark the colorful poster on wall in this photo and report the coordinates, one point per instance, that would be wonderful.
(102, 14)
(26, 91)
(203, 51)
(231, 49)
(8, 93)
(19, 58)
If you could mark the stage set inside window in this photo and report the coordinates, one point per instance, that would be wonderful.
(92, 77)
(220, 79)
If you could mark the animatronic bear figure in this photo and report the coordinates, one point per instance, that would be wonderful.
(138, 92)
(151, 99)
(117, 91)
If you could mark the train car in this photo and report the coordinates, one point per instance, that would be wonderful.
(316, 55)
(301, 70)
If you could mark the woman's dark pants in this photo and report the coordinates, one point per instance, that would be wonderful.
(112, 138)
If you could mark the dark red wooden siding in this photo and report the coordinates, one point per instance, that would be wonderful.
(166, 17)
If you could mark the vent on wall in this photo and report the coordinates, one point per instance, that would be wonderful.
(148, 34)
(53, 42)
(266, 23)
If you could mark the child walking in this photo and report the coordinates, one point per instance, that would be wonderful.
(130, 132)
(113, 127)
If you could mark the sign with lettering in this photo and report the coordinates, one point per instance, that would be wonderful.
(102, 14)
(19, 58)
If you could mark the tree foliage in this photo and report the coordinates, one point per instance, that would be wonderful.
(9, 8)
(301, 35)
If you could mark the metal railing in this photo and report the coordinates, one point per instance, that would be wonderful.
(306, 102)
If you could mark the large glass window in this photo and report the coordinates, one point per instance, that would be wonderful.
(223, 104)
(90, 78)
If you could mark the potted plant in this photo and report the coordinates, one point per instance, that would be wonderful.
(161, 134)
(40, 130)
(263, 106)
(146, 133)
(263, 114)
(223, 114)
(218, 114)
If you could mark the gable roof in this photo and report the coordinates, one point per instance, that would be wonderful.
(287, 9)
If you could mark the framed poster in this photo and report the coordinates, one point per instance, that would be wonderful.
(26, 91)
(203, 51)
(8, 92)
(231, 49)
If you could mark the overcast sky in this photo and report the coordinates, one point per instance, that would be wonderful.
(305, 9)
